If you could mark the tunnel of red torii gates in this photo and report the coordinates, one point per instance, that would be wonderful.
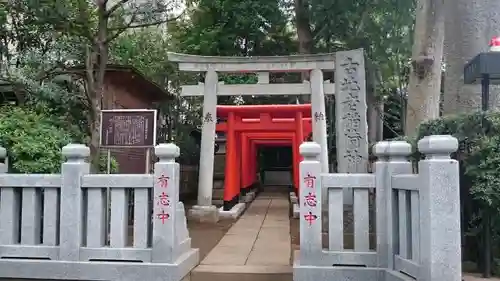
(249, 127)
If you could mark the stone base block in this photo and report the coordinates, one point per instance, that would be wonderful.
(349, 240)
(15, 269)
(242, 273)
(249, 197)
(306, 272)
(296, 211)
(217, 202)
(293, 198)
(310, 272)
(234, 213)
(204, 214)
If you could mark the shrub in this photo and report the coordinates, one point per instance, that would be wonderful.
(478, 134)
(34, 140)
(483, 167)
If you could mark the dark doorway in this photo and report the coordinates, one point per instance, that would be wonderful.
(275, 164)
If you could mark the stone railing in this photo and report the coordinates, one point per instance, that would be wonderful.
(417, 217)
(55, 226)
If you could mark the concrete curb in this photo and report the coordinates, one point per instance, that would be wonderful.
(234, 213)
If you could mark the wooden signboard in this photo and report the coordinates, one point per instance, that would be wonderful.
(128, 128)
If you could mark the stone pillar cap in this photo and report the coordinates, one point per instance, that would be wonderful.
(167, 151)
(438, 144)
(74, 150)
(310, 149)
(392, 148)
(3, 152)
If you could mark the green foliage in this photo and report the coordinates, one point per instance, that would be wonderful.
(479, 150)
(32, 141)
(43, 36)
(383, 28)
(394, 110)
(190, 153)
(145, 49)
(468, 128)
(237, 28)
(130, 49)
(478, 134)
(483, 166)
(60, 97)
(103, 164)
(240, 79)
(233, 27)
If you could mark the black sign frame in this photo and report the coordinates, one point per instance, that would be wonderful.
(149, 122)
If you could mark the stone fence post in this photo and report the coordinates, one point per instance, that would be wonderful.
(165, 201)
(392, 160)
(7, 201)
(3, 156)
(71, 200)
(439, 195)
(310, 202)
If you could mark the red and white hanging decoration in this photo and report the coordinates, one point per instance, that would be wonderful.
(495, 44)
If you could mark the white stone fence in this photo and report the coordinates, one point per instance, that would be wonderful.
(417, 216)
(54, 226)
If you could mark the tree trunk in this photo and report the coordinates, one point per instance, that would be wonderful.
(95, 126)
(425, 78)
(96, 69)
(304, 35)
(374, 113)
(303, 25)
(470, 24)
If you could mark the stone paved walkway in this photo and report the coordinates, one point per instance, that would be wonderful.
(257, 244)
(477, 277)
(257, 247)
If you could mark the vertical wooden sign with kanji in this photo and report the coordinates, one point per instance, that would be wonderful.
(165, 200)
(310, 200)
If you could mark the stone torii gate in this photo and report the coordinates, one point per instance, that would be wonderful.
(352, 147)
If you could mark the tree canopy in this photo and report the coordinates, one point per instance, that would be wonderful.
(41, 42)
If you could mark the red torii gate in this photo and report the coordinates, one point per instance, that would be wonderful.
(273, 139)
(248, 125)
(250, 177)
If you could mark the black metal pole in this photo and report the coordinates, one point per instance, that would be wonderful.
(485, 97)
(485, 92)
(487, 245)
